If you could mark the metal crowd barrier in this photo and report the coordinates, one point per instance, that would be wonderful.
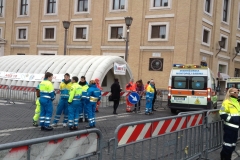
(28, 94)
(176, 137)
(214, 132)
(22, 93)
(4, 93)
(77, 145)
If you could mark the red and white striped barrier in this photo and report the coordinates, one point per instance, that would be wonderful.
(16, 153)
(133, 133)
(4, 87)
(23, 88)
(85, 144)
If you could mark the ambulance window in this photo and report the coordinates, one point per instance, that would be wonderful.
(179, 82)
(230, 85)
(238, 86)
(198, 83)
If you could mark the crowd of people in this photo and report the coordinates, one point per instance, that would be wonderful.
(78, 102)
(138, 87)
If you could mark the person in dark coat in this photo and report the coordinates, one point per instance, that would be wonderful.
(154, 98)
(115, 90)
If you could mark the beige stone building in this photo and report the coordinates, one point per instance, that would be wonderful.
(163, 32)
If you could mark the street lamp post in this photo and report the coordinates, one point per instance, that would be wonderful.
(66, 25)
(128, 21)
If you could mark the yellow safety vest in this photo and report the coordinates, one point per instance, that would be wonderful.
(46, 89)
(230, 113)
(75, 92)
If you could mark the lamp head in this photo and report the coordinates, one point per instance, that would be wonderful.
(221, 44)
(66, 24)
(237, 49)
(128, 21)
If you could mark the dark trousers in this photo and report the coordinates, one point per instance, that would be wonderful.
(229, 138)
(153, 101)
(115, 105)
(138, 104)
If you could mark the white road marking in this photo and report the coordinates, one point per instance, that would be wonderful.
(122, 116)
(16, 129)
(98, 120)
(112, 115)
(4, 134)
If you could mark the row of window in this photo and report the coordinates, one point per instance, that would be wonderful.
(158, 31)
(80, 6)
(206, 38)
(226, 6)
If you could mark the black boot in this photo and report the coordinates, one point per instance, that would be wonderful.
(80, 120)
(48, 128)
(86, 120)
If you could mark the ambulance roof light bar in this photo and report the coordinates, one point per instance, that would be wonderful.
(177, 65)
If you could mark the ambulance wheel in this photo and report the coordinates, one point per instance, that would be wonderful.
(174, 111)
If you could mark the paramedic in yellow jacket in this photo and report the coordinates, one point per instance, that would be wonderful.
(47, 95)
(230, 113)
(149, 98)
(37, 110)
(62, 107)
(74, 104)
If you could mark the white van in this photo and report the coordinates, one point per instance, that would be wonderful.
(191, 87)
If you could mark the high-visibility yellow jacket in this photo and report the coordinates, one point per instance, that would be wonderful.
(64, 89)
(75, 93)
(149, 92)
(46, 89)
(84, 91)
(230, 113)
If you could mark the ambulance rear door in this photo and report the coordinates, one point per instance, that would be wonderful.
(180, 92)
(198, 86)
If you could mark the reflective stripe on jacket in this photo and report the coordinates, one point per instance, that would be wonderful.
(94, 93)
(64, 89)
(46, 89)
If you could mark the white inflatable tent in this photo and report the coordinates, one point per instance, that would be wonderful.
(89, 66)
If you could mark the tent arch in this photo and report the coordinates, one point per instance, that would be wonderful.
(92, 67)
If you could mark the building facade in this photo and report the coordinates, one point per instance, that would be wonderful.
(163, 32)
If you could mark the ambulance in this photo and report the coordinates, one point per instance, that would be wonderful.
(191, 87)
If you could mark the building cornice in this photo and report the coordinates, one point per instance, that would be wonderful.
(224, 29)
(81, 20)
(20, 45)
(206, 52)
(157, 48)
(50, 21)
(160, 16)
(114, 18)
(47, 46)
(22, 22)
(113, 47)
(78, 47)
(223, 57)
(207, 21)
